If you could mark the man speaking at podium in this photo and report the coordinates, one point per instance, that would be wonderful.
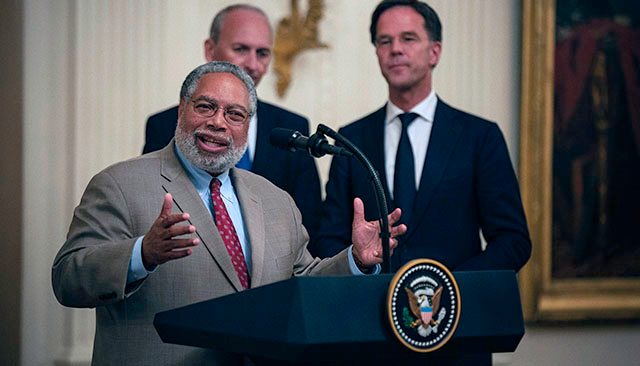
(183, 225)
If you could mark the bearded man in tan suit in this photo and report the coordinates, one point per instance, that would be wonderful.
(129, 262)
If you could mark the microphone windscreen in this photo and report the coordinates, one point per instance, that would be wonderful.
(281, 137)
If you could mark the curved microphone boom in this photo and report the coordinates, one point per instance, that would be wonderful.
(381, 199)
(317, 145)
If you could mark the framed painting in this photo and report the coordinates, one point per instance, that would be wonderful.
(580, 159)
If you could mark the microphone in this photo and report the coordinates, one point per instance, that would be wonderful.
(317, 145)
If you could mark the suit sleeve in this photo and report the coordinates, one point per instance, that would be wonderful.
(160, 129)
(305, 264)
(500, 210)
(334, 234)
(91, 267)
(150, 137)
(307, 193)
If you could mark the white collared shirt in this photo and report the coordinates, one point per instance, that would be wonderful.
(419, 133)
(252, 135)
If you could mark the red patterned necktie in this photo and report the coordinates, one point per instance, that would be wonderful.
(228, 234)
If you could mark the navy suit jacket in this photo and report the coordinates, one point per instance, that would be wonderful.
(295, 173)
(467, 184)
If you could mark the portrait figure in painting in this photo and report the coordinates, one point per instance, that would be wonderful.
(596, 140)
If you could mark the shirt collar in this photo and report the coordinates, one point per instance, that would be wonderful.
(199, 177)
(425, 109)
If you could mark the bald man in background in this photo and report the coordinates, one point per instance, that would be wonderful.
(242, 34)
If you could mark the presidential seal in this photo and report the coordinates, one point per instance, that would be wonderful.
(423, 304)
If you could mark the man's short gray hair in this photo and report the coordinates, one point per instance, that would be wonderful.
(191, 82)
(218, 20)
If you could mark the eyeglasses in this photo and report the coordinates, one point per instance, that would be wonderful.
(233, 115)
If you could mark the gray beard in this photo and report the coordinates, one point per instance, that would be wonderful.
(213, 164)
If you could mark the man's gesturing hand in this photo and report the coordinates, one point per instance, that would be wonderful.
(367, 246)
(159, 245)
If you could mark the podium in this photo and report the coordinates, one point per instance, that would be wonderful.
(342, 320)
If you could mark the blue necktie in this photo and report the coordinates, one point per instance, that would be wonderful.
(404, 186)
(245, 161)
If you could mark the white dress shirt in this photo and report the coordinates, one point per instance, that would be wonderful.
(419, 132)
(252, 136)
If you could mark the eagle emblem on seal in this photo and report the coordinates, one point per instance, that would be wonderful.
(424, 303)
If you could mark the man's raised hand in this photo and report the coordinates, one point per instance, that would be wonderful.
(160, 244)
(367, 246)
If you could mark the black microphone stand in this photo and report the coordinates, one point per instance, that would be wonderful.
(377, 185)
(315, 144)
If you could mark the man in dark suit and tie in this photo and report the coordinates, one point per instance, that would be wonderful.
(183, 225)
(447, 170)
(241, 34)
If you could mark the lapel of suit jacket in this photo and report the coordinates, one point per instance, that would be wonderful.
(373, 149)
(441, 144)
(265, 125)
(253, 216)
(187, 199)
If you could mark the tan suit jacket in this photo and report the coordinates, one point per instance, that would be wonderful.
(119, 205)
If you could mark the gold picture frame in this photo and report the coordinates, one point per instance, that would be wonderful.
(544, 297)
